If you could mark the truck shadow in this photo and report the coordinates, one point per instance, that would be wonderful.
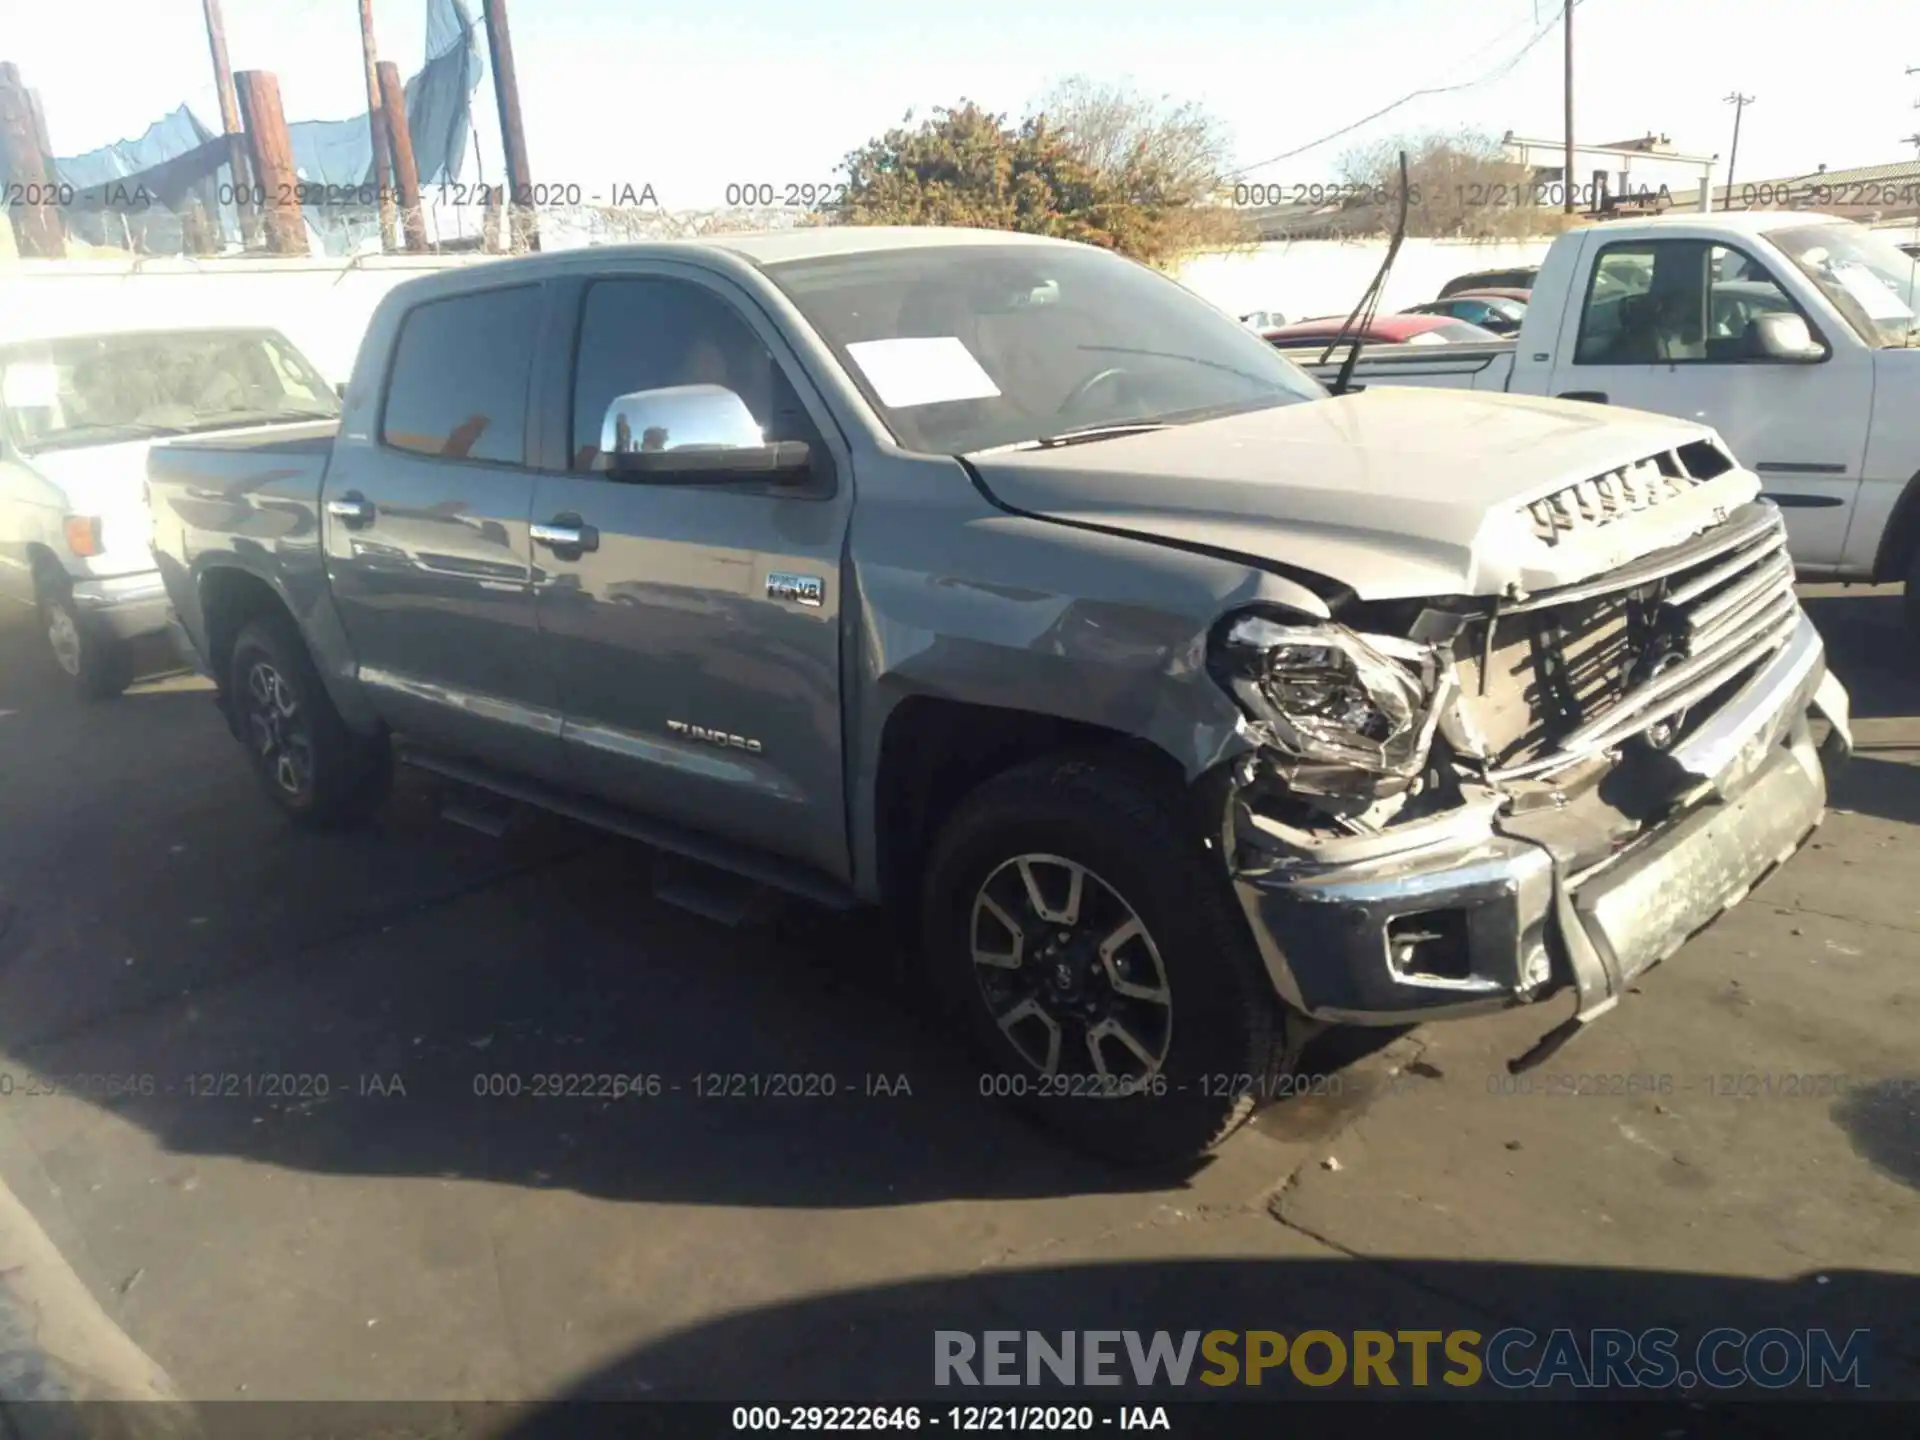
(878, 1345)
(418, 999)
(1871, 651)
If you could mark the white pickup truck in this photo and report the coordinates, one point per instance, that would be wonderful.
(1791, 334)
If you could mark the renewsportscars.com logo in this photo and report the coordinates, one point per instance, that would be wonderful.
(1510, 1359)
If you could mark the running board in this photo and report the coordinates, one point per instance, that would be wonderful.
(772, 871)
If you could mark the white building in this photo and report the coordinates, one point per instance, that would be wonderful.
(1626, 169)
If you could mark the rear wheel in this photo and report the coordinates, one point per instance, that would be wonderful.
(1911, 597)
(316, 770)
(95, 662)
(1091, 947)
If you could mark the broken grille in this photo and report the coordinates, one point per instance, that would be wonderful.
(1602, 499)
(1572, 673)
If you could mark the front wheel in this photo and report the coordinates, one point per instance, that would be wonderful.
(95, 662)
(316, 770)
(1091, 946)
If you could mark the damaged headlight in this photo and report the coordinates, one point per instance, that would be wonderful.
(1326, 695)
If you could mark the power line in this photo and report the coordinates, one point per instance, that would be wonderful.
(1739, 103)
(1497, 73)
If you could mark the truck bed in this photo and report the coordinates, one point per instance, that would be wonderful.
(215, 492)
(1459, 367)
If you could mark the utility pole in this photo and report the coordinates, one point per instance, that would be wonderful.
(272, 156)
(37, 227)
(1739, 103)
(230, 122)
(506, 91)
(377, 127)
(413, 220)
(1568, 174)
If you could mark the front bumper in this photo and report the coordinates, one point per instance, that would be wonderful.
(1469, 924)
(126, 606)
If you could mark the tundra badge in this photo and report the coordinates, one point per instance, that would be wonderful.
(801, 589)
(713, 737)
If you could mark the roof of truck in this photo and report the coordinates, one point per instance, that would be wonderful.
(1744, 222)
(814, 241)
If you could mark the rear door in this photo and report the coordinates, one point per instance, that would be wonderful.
(1662, 327)
(696, 640)
(425, 516)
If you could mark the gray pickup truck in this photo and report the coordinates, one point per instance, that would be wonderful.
(1179, 708)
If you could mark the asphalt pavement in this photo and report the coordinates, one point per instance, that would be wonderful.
(281, 1101)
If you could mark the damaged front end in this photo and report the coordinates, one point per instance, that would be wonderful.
(1451, 806)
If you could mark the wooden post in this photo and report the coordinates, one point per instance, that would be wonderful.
(243, 204)
(413, 220)
(377, 127)
(490, 241)
(272, 156)
(37, 228)
(506, 90)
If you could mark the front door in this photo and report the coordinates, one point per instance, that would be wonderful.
(425, 509)
(697, 642)
(1663, 327)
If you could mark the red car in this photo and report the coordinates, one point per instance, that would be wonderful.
(1385, 330)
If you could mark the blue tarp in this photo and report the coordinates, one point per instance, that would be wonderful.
(179, 160)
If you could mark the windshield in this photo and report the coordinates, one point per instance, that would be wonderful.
(971, 347)
(102, 389)
(1869, 279)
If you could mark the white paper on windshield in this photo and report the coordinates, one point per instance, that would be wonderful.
(1876, 297)
(31, 385)
(924, 370)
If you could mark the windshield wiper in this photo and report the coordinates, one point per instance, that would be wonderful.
(1096, 432)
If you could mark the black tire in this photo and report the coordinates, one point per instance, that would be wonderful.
(97, 664)
(317, 771)
(1224, 1032)
(1910, 596)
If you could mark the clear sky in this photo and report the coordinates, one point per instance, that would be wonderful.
(691, 95)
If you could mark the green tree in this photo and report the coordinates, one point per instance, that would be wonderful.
(1098, 173)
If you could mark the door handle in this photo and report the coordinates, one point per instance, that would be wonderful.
(1593, 397)
(566, 533)
(352, 508)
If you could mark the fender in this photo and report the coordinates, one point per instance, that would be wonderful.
(1900, 537)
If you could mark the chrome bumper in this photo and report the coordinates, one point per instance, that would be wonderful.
(1518, 926)
(127, 606)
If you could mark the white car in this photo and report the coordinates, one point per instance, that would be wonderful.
(78, 414)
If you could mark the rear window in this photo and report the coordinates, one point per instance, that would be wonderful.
(458, 385)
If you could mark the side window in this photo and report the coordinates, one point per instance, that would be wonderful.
(654, 334)
(458, 385)
(1743, 291)
(1646, 304)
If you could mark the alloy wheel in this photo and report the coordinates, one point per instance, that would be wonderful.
(278, 730)
(1069, 972)
(64, 636)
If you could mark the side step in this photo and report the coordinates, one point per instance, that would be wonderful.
(713, 894)
(688, 851)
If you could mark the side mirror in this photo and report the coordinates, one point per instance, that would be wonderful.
(1783, 337)
(692, 435)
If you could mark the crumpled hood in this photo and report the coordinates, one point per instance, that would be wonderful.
(1389, 492)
